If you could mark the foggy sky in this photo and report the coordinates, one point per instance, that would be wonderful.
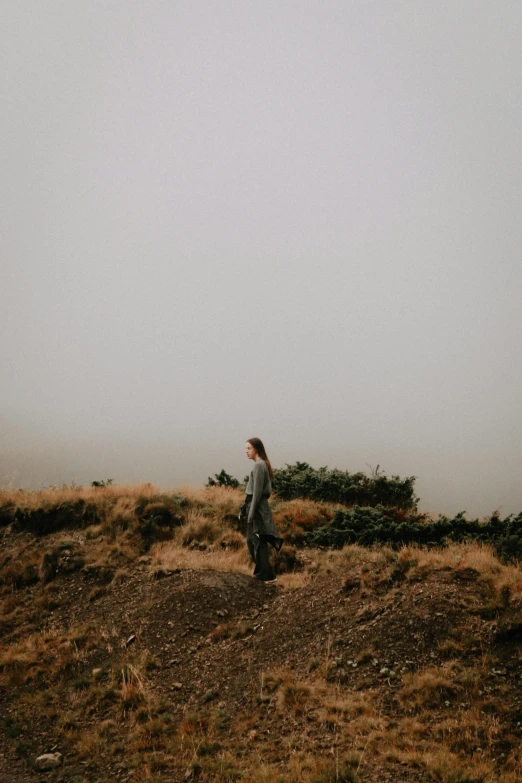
(299, 221)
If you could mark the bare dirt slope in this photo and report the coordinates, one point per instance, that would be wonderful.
(367, 672)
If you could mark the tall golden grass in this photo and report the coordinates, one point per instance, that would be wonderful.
(440, 714)
(171, 555)
(54, 496)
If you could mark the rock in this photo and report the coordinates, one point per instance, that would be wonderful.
(178, 686)
(130, 640)
(48, 761)
(97, 674)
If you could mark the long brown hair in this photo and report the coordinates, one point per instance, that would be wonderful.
(261, 452)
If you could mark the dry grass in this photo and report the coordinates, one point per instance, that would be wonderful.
(432, 687)
(452, 742)
(295, 581)
(229, 552)
(303, 766)
(56, 496)
(217, 502)
(44, 655)
(198, 529)
(450, 768)
(459, 557)
(120, 516)
(499, 584)
(295, 518)
(440, 714)
(293, 695)
(169, 556)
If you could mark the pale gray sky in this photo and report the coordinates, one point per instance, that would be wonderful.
(296, 220)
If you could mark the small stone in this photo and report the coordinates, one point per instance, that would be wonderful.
(178, 686)
(130, 640)
(49, 761)
(96, 674)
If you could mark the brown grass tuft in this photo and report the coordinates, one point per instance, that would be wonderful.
(432, 687)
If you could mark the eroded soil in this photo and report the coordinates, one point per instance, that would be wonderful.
(209, 648)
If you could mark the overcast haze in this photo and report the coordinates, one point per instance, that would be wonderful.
(299, 221)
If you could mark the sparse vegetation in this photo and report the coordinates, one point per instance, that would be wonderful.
(133, 639)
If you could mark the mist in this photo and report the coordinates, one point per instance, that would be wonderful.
(300, 223)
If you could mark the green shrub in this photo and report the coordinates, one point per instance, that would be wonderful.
(223, 479)
(367, 526)
(339, 486)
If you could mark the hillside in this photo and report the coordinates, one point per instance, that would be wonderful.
(143, 654)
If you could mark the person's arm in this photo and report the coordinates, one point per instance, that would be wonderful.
(258, 476)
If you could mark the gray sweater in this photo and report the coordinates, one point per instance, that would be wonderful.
(259, 486)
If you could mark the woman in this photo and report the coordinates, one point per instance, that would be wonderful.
(261, 529)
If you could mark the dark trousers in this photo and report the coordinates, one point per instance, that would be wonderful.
(258, 548)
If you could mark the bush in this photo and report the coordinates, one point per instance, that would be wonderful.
(339, 486)
(380, 525)
(295, 518)
(223, 479)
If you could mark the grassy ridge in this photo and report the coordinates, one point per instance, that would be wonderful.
(145, 515)
(403, 660)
